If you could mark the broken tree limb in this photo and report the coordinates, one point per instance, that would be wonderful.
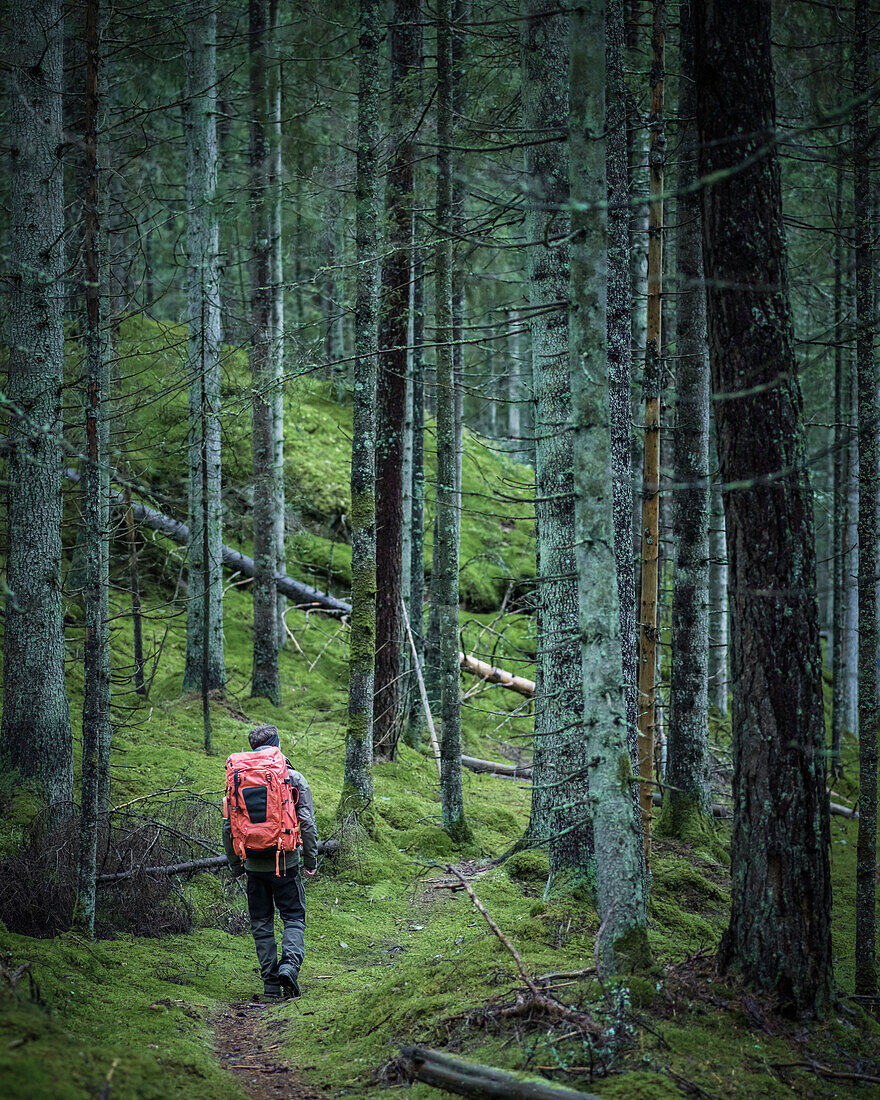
(207, 864)
(422, 690)
(497, 675)
(470, 1079)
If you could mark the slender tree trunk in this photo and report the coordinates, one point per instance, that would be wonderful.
(620, 881)
(417, 567)
(649, 623)
(688, 798)
(851, 561)
(619, 323)
(276, 268)
(204, 346)
(445, 580)
(717, 596)
(393, 333)
(838, 512)
(779, 934)
(514, 386)
(134, 588)
(96, 723)
(35, 732)
(561, 816)
(357, 790)
(869, 514)
(265, 682)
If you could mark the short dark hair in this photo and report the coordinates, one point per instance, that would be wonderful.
(263, 735)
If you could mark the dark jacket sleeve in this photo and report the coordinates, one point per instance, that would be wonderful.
(305, 811)
(231, 856)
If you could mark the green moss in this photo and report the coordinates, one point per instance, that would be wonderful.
(530, 865)
(632, 953)
(683, 817)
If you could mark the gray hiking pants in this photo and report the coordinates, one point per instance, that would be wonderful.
(267, 892)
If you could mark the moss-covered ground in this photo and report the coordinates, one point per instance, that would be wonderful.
(393, 955)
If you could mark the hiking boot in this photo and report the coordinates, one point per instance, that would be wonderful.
(289, 980)
(273, 993)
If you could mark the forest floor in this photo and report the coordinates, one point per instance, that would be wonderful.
(165, 1002)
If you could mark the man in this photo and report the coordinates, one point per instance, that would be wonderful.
(267, 890)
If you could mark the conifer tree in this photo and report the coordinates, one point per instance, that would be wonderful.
(35, 732)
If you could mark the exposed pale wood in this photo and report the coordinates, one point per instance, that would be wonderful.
(494, 767)
(422, 690)
(497, 675)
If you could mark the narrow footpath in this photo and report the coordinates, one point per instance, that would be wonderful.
(248, 1044)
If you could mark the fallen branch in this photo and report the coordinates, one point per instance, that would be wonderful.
(469, 1079)
(497, 675)
(324, 846)
(493, 767)
(422, 690)
(538, 999)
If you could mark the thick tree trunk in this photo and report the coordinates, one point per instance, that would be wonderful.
(561, 816)
(357, 789)
(445, 570)
(851, 564)
(36, 736)
(265, 682)
(620, 880)
(96, 721)
(869, 514)
(779, 934)
(838, 512)
(688, 797)
(650, 532)
(204, 348)
(393, 340)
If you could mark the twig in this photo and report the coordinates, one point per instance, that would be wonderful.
(422, 690)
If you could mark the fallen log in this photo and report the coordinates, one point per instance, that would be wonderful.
(206, 864)
(497, 675)
(305, 597)
(493, 767)
(470, 1079)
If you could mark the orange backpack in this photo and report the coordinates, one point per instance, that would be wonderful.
(260, 804)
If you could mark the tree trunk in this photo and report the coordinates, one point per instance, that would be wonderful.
(204, 349)
(688, 798)
(417, 566)
(265, 681)
(357, 789)
(276, 270)
(36, 735)
(561, 817)
(851, 562)
(96, 721)
(620, 880)
(445, 579)
(393, 340)
(717, 596)
(869, 513)
(841, 446)
(650, 533)
(619, 324)
(779, 934)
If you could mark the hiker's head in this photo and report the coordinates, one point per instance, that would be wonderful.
(264, 735)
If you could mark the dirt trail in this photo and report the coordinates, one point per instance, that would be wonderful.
(249, 1045)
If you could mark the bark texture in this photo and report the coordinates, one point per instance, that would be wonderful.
(204, 347)
(779, 934)
(358, 785)
(445, 569)
(560, 814)
(391, 405)
(869, 515)
(96, 721)
(688, 798)
(620, 880)
(265, 681)
(35, 732)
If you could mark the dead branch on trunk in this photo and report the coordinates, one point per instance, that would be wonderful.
(208, 864)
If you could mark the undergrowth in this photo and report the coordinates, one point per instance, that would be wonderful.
(393, 956)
